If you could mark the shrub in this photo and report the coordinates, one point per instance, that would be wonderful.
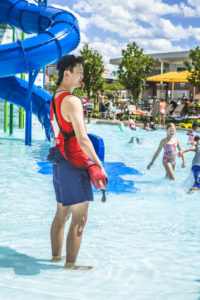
(95, 115)
(183, 125)
(189, 125)
(137, 117)
(95, 110)
(156, 119)
(191, 121)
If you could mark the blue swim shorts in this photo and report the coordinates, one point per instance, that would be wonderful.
(72, 185)
(196, 172)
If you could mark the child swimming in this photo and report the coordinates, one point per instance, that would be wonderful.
(191, 132)
(169, 158)
(195, 163)
(134, 138)
(121, 125)
(132, 124)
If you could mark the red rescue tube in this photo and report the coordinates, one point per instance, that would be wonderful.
(97, 177)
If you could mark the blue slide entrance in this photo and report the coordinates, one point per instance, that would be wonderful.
(57, 33)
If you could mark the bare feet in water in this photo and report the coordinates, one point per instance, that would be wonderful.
(72, 266)
(191, 190)
(57, 258)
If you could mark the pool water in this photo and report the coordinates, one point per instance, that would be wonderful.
(144, 245)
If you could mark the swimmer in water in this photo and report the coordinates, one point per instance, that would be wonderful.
(170, 143)
(121, 125)
(134, 138)
(132, 124)
(195, 163)
(191, 132)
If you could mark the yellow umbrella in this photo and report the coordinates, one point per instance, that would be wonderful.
(171, 77)
(167, 77)
(181, 76)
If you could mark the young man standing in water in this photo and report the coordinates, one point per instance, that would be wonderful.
(71, 180)
(101, 101)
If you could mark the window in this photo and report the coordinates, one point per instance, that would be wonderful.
(181, 69)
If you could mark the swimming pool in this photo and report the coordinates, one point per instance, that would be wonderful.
(142, 244)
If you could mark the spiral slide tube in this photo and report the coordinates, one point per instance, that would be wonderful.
(57, 34)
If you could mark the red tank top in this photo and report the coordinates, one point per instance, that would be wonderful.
(76, 155)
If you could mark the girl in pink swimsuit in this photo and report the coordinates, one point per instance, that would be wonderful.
(170, 143)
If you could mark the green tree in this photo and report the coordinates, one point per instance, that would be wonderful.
(52, 88)
(194, 67)
(78, 92)
(111, 88)
(133, 69)
(93, 69)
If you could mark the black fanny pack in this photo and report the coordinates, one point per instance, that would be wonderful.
(54, 156)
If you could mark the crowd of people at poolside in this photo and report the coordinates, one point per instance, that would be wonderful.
(123, 109)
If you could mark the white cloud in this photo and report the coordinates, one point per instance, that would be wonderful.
(158, 45)
(195, 32)
(172, 32)
(150, 23)
(191, 10)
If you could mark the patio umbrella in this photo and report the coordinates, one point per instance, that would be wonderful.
(167, 77)
(181, 76)
(171, 77)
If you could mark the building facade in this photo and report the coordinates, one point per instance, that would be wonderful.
(166, 62)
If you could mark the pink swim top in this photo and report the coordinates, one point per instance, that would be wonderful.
(132, 124)
(169, 153)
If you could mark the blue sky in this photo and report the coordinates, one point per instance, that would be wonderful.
(155, 25)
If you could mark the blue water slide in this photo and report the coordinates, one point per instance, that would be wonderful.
(57, 34)
(14, 90)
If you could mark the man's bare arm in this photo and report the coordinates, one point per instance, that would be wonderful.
(71, 108)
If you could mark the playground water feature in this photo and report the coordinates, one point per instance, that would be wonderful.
(143, 244)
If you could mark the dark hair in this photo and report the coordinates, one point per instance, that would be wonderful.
(194, 125)
(67, 62)
(196, 138)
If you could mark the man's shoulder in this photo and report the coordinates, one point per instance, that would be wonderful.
(71, 99)
(71, 103)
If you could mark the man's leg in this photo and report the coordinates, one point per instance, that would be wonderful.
(74, 237)
(57, 230)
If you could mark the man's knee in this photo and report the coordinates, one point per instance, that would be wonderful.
(79, 221)
(62, 215)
